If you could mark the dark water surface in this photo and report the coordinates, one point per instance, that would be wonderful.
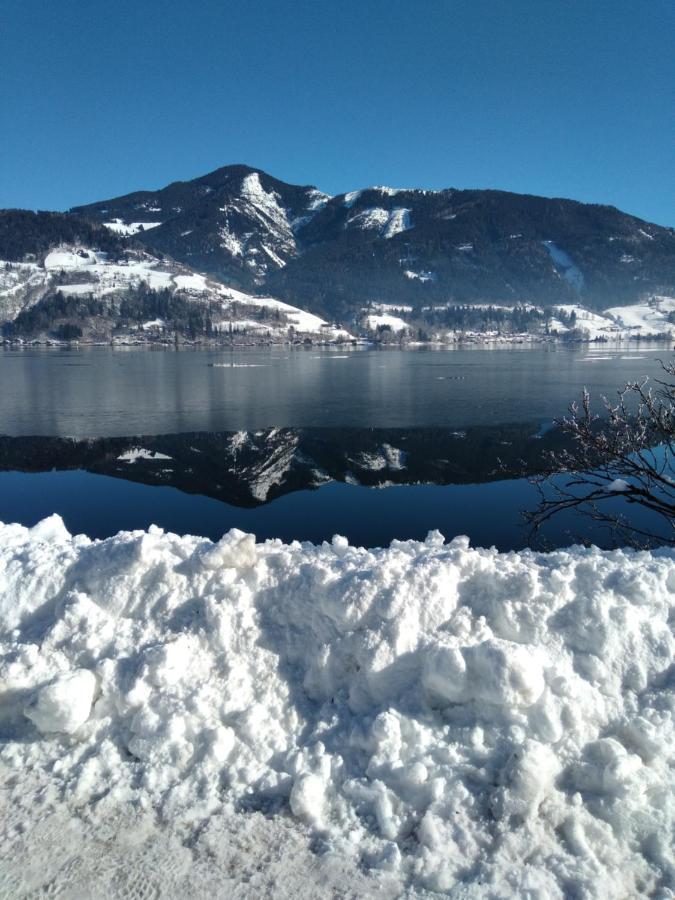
(374, 445)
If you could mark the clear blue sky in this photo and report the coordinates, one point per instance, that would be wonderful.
(569, 98)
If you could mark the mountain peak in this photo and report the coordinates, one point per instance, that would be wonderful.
(337, 254)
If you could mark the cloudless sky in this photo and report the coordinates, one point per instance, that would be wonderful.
(572, 98)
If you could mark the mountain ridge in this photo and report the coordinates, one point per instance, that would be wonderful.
(239, 251)
(330, 253)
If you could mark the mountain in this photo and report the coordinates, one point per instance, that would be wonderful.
(240, 256)
(236, 223)
(336, 255)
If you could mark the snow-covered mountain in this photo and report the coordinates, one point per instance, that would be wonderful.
(239, 249)
(236, 222)
(382, 245)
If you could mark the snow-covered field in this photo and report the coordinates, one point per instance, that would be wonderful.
(373, 321)
(624, 322)
(652, 318)
(183, 718)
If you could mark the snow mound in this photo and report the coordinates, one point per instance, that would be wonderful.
(446, 717)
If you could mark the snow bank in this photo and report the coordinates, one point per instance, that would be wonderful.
(448, 718)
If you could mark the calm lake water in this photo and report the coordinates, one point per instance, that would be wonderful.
(102, 392)
(106, 393)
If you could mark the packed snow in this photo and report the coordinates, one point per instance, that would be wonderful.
(193, 282)
(230, 241)
(388, 308)
(301, 320)
(425, 717)
(351, 197)
(399, 220)
(270, 240)
(648, 319)
(386, 457)
(594, 325)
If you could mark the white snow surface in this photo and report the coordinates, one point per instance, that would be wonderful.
(120, 227)
(647, 318)
(373, 321)
(594, 325)
(427, 717)
(388, 223)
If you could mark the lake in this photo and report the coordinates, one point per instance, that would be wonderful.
(296, 444)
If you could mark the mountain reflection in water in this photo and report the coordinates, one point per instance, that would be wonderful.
(247, 469)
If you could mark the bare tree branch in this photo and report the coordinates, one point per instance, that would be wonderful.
(624, 458)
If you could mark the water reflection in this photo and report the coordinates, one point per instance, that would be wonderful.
(250, 468)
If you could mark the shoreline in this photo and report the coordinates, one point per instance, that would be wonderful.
(357, 342)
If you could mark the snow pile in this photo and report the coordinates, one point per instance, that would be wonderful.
(500, 724)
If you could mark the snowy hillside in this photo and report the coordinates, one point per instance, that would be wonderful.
(427, 717)
(79, 272)
(654, 317)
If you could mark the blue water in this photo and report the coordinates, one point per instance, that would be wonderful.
(103, 392)
(100, 506)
